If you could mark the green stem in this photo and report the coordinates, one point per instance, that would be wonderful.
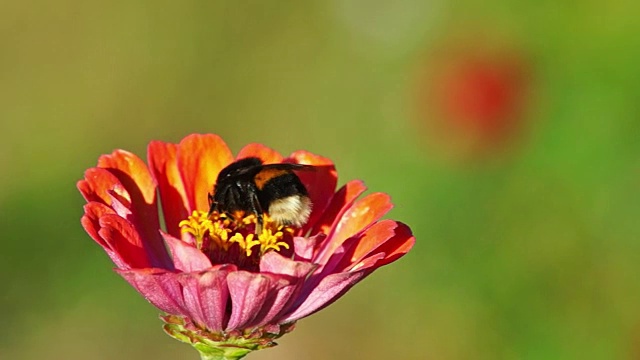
(220, 353)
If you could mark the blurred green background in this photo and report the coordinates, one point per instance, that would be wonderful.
(528, 253)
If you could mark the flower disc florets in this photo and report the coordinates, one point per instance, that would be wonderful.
(229, 241)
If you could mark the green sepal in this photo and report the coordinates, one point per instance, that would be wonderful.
(221, 346)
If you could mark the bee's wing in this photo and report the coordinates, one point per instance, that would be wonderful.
(287, 166)
(248, 170)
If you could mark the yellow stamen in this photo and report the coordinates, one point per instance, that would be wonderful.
(223, 232)
(197, 225)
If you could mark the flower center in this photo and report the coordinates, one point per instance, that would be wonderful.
(226, 240)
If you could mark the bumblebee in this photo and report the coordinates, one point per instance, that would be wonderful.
(248, 186)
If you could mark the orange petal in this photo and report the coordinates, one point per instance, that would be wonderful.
(164, 167)
(356, 218)
(321, 183)
(136, 178)
(264, 153)
(340, 202)
(132, 173)
(200, 159)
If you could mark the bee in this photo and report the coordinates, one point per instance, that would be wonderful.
(249, 186)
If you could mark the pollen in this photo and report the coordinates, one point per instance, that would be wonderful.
(217, 233)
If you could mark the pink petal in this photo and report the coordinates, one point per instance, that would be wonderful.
(134, 175)
(381, 244)
(164, 168)
(249, 292)
(214, 294)
(275, 263)
(328, 290)
(159, 287)
(186, 257)
(120, 206)
(356, 218)
(340, 202)
(200, 159)
(122, 237)
(206, 295)
(266, 154)
(305, 247)
(320, 184)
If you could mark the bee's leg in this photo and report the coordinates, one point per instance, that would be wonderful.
(259, 224)
(257, 210)
(212, 204)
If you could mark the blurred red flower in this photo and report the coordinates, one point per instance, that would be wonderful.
(214, 295)
(474, 95)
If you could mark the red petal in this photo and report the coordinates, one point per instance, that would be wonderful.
(159, 287)
(134, 175)
(121, 236)
(93, 211)
(186, 257)
(164, 168)
(356, 218)
(321, 183)
(369, 264)
(387, 237)
(359, 246)
(340, 202)
(200, 159)
(98, 183)
(396, 247)
(248, 293)
(91, 223)
(266, 154)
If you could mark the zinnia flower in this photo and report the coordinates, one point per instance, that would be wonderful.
(224, 289)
